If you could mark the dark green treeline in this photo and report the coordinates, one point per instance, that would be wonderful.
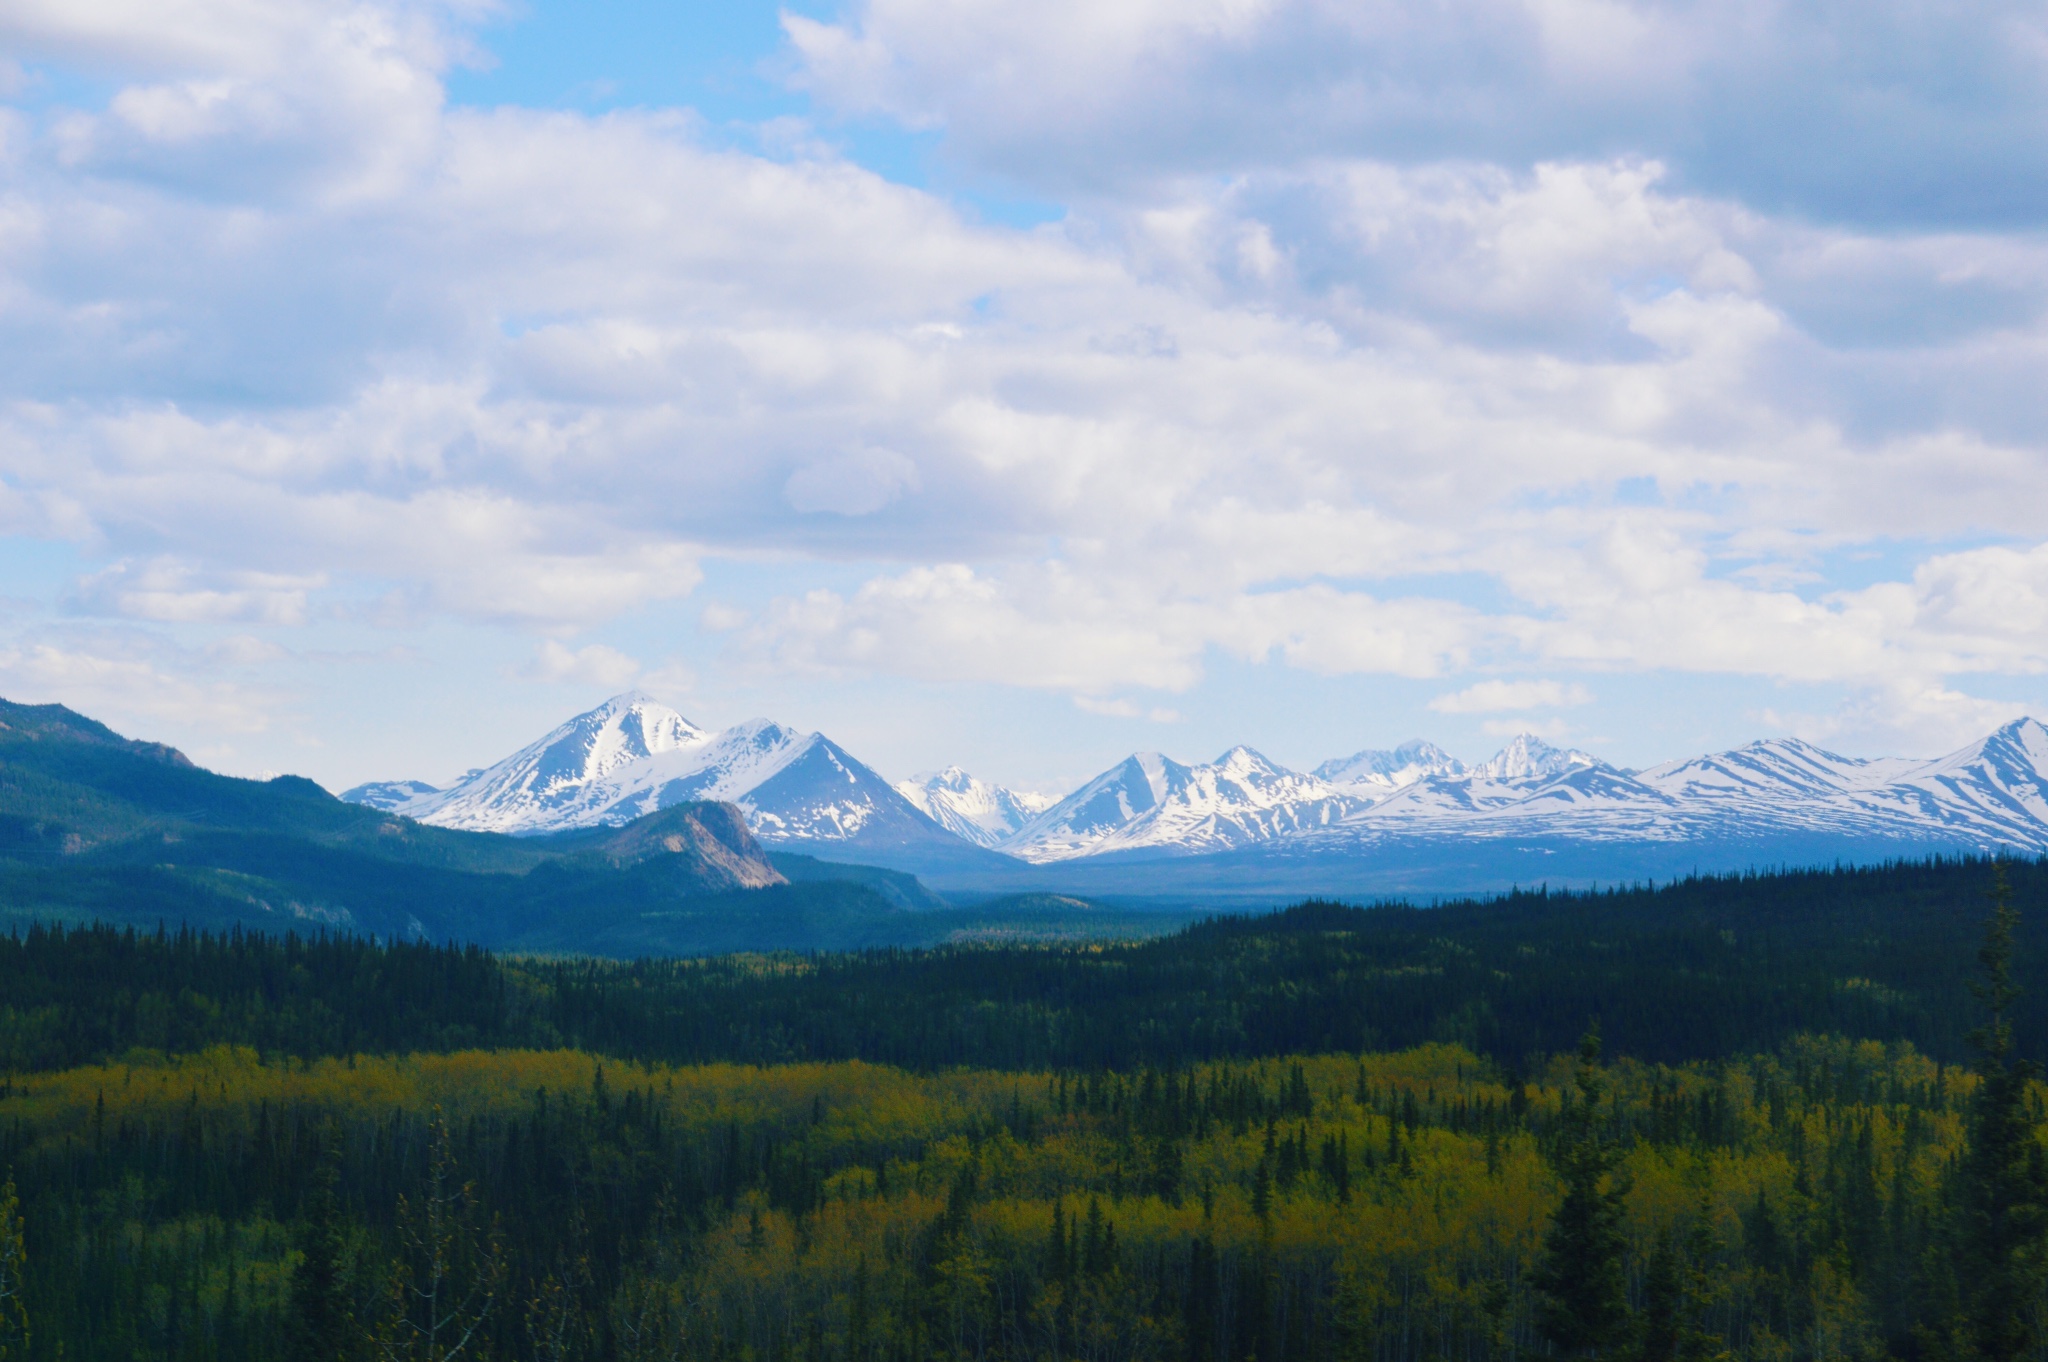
(1697, 970)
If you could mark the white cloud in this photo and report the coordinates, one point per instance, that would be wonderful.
(131, 685)
(1913, 715)
(285, 337)
(1490, 697)
(591, 665)
(858, 482)
(1766, 102)
(173, 591)
(1052, 628)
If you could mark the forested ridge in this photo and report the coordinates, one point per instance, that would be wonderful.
(1702, 969)
(1285, 1139)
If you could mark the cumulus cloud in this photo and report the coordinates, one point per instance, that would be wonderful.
(1915, 715)
(593, 665)
(1436, 373)
(1929, 114)
(169, 590)
(1057, 629)
(133, 683)
(858, 482)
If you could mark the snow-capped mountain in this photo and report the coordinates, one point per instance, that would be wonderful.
(1375, 773)
(1528, 757)
(982, 813)
(389, 795)
(1783, 792)
(1150, 802)
(1781, 799)
(633, 755)
(1993, 793)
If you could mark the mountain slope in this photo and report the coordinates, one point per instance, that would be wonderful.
(1374, 773)
(1149, 804)
(633, 756)
(94, 826)
(1393, 812)
(971, 809)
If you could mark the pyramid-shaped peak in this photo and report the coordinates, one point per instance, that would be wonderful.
(955, 778)
(644, 724)
(2023, 740)
(626, 728)
(1528, 757)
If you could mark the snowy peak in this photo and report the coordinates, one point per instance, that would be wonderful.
(2018, 751)
(1124, 793)
(1998, 784)
(1775, 768)
(392, 796)
(1378, 772)
(559, 781)
(632, 756)
(629, 727)
(1149, 802)
(1528, 757)
(1245, 764)
(625, 728)
(981, 813)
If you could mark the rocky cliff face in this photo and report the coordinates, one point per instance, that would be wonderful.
(706, 844)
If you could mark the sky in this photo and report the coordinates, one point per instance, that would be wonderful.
(1022, 383)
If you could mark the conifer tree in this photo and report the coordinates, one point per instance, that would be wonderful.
(1583, 1306)
(1661, 1323)
(14, 1331)
(322, 1329)
(2003, 1202)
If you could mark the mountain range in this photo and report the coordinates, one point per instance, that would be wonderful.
(1409, 818)
(95, 826)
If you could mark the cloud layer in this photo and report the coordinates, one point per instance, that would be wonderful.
(1505, 337)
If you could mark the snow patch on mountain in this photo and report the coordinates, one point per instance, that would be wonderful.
(975, 810)
(633, 755)
(1528, 757)
(1149, 802)
(1991, 794)
(1375, 772)
(392, 796)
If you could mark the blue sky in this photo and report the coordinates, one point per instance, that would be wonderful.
(1022, 384)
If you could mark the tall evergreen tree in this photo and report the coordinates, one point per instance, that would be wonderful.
(1583, 1289)
(1663, 1305)
(14, 1332)
(2003, 1202)
(322, 1326)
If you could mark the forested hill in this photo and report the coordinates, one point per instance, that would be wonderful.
(1698, 970)
(96, 827)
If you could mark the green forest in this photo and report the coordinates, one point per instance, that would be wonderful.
(1772, 1116)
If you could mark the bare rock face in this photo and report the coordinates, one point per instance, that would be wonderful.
(708, 844)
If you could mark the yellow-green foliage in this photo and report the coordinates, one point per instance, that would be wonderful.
(898, 1214)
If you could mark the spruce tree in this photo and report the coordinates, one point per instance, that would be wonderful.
(2003, 1201)
(1663, 1305)
(14, 1331)
(1583, 1290)
(321, 1326)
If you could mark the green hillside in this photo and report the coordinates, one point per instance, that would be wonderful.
(96, 827)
